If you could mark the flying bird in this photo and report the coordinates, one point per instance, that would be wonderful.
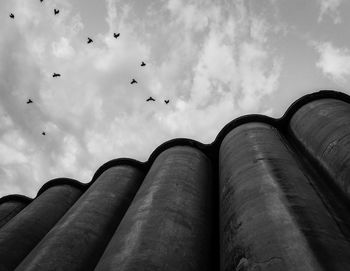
(143, 64)
(29, 101)
(41, 0)
(43, 133)
(56, 11)
(150, 99)
(116, 35)
(166, 101)
(12, 16)
(56, 75)
(133, 81)
(89, 40)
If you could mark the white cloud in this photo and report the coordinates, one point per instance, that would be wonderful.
(216, 64)
(259, 75)
(9, 155)
(62, 48)
(334, 62)
(330, 8)
(189, 15)
(213, 61)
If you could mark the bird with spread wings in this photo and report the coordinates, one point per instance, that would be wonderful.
(150, 99)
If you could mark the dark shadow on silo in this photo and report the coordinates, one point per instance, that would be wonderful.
(22, 233)
(10, 206)
(168, 225)
(322, 128)
(80, 237)
(271, 216)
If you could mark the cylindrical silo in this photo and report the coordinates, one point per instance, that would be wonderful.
(322, 127)
(22, 233)
(10, 206)
(168, 225)
(79, 238)
(271, 217)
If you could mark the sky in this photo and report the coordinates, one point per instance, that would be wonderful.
(215, 60)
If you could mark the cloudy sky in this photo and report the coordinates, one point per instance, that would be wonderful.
(214, 60)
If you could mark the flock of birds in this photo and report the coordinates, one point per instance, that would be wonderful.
(90, 40)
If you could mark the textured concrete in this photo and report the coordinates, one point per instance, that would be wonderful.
(79, 238)
(271, 216)
(10, 208)
(168, 225)
(20, 235)
(323, 128)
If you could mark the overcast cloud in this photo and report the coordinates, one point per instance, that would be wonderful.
(214, 61)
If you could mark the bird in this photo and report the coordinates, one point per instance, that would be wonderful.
(43, 133)
(56, 74)
(12, 16)
(150, 99)
(41, 0)
(143, 64)
(116, 35)
(133, 81)
(29, 101)
(166, 101)
(56, 11)
(89, 40)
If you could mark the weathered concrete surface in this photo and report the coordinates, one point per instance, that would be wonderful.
(80, 237)
(22, 233)
(168, 225)
(271, 218)
(323, 128)
(9, 209)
